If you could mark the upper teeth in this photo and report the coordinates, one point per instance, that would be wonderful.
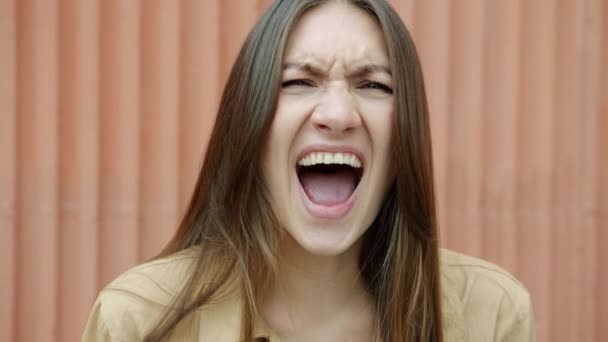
(330, 158)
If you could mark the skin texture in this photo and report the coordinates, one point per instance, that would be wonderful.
(337, 92)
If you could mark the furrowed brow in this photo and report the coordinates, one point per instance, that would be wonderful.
(367, 69)
(306, 67)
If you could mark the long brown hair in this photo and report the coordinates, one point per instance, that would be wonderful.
(229, 217)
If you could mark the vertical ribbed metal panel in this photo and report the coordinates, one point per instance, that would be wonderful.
(8, 167)
(37, 234)
(79, 176)
(106, 108)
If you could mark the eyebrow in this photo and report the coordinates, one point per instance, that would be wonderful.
(358, 72)
(370, 69)
(307, 67)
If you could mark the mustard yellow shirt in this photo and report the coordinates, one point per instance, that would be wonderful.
(481, 302)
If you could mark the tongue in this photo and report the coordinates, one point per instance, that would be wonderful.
(328, 188)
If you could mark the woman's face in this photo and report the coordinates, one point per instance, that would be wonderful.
(326, 161)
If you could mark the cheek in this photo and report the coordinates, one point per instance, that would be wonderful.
(379, 119)
(283, 124)
(280, 134)
(292, 113)
(277, 162)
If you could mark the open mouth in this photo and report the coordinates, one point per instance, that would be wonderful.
(329, 179)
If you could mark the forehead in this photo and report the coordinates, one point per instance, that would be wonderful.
(337, 32)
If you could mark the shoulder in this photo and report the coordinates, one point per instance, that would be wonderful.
(156, 281)
(127, 307)
(483, 300)
(464, 273)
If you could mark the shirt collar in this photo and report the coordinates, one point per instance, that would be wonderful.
(451, 310)
(453, 321)
(229, 312)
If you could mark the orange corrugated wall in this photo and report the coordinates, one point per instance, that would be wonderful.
(106, 107)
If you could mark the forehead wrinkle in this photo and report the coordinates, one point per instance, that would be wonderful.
(306, 67)
(367, 69)
(307, 60)
(325, 59)
(356, 72)
(351, 66)
(321, 57)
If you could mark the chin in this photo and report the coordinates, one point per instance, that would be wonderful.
(325, 241)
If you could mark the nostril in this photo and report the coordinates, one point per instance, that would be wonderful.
(333, 126)
(322, 126)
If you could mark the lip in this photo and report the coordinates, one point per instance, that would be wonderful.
(332, 149)
(329, 212)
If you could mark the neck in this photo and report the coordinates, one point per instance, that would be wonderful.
(310, 287)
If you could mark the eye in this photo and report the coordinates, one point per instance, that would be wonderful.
(297, 83)
(377, 86)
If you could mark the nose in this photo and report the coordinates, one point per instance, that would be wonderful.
(337, 113)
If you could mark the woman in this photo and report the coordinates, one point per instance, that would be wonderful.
(313, 218)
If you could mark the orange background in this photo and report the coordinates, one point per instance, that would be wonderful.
(106, 106)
